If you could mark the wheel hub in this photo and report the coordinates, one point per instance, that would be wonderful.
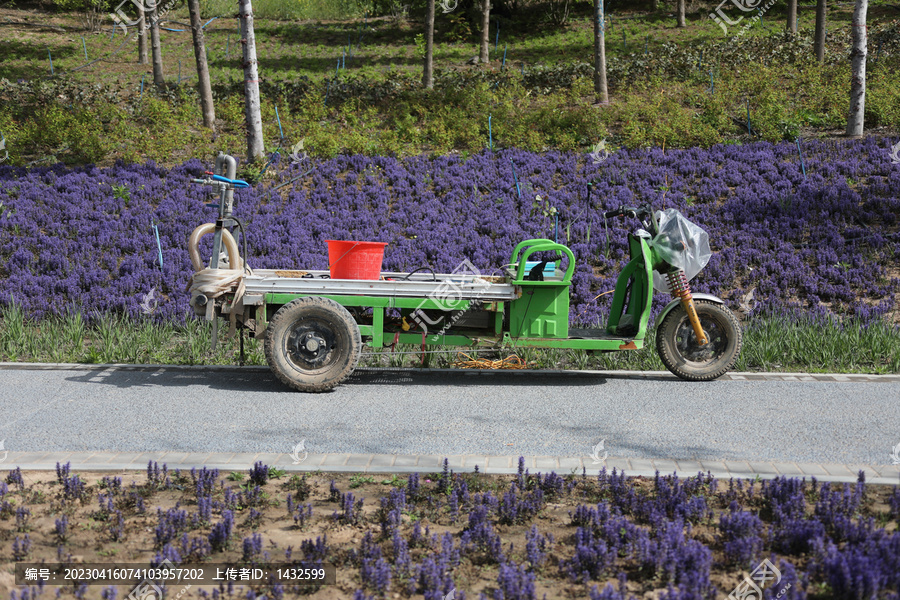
(312, 343)
(310, 346)
(686, 340)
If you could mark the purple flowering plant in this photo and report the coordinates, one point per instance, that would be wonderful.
(823, 244)
(504, 538)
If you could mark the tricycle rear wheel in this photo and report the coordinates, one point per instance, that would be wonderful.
(678, 348)
(312, 344)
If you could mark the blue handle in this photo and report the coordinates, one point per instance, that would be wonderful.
(238, 183)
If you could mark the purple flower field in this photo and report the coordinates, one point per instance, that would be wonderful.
(526, 536)
(82, 239)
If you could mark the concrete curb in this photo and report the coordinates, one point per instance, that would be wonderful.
(403, 464)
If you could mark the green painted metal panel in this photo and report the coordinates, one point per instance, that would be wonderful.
(438, 340)
(640, 271)
(541, 312)
(580, 344)
(377, 327)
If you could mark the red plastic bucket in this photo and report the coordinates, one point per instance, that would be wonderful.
(355, 260)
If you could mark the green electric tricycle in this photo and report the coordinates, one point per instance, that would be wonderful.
(314, 326)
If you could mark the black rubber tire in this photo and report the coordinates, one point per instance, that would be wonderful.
(678, 349)
(312, 344)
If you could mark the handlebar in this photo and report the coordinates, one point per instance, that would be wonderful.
(644, 214)
(627, 211)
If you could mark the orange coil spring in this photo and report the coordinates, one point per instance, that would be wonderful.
(678, 285)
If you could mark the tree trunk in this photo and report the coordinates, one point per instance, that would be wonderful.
(483, 55)
(600, 86)
(203, 85)
(681, 22)
(158, 78)
(654, 5)
(855, 123)
(142, 35)
(820, 31)
(428, 74)
(792, 16)
(252, 112)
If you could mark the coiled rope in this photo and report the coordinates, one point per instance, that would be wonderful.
(510, 362)
(213, 283)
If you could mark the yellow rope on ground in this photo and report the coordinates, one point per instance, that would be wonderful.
(510, 362)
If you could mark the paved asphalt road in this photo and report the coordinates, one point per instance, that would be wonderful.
(399, 412)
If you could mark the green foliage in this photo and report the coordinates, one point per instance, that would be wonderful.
(292, 9)
(55, 129)
(395, 480)
(541, 206)
(882, 97)
(654, 116)
(457, 29)
(660, 90)
(420, 45)
(780, 342)
(83, 5)
(122, 192)
(770, 343)
(251, 172)
(299, 486)
(359, 480)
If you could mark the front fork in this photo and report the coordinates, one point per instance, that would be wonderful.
(679, 287)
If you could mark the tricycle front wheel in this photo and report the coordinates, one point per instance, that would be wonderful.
(312, 344)
(678, 348)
